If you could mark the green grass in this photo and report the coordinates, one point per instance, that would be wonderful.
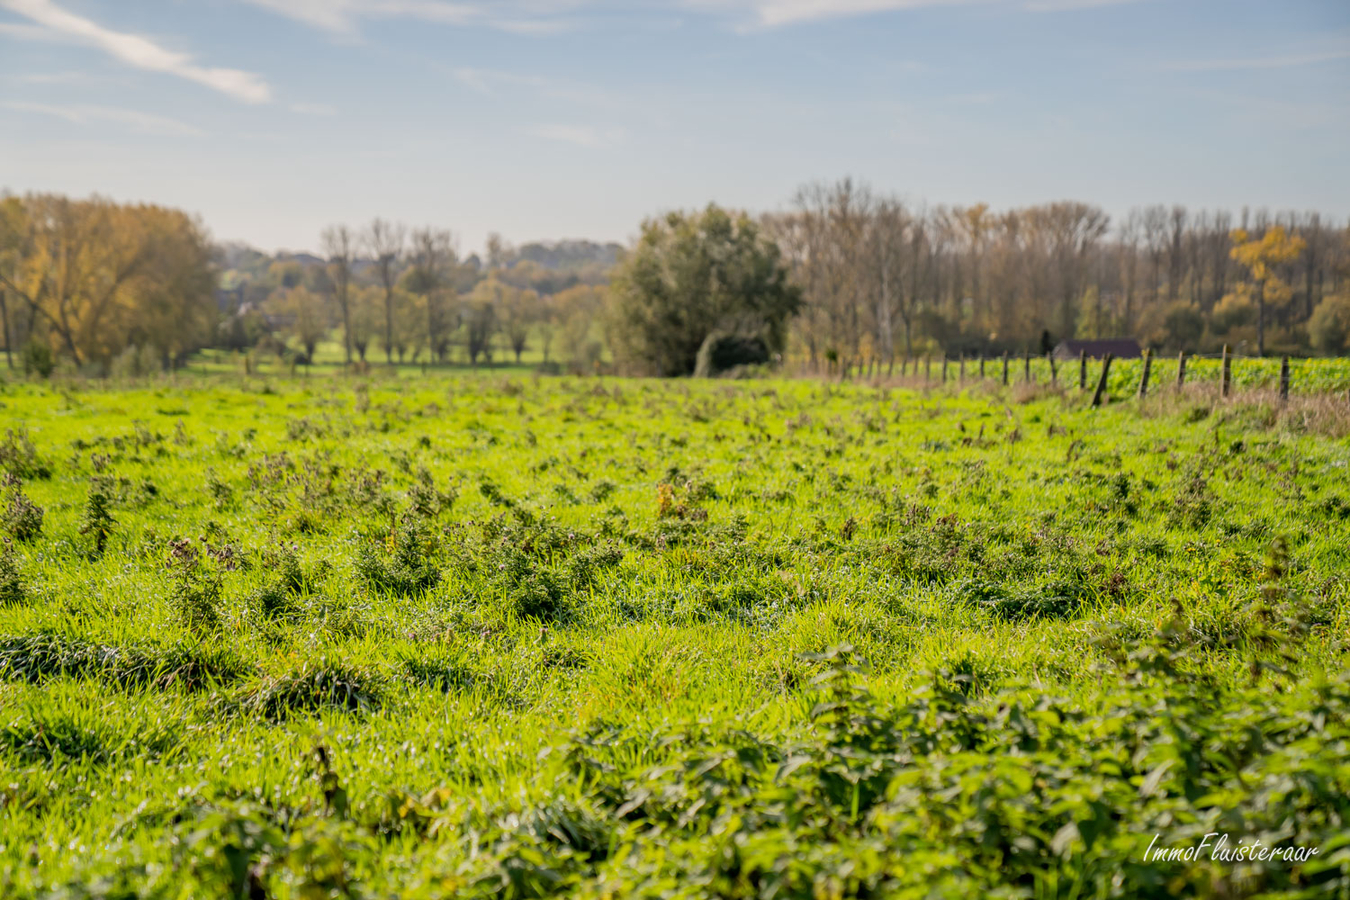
(489, 635)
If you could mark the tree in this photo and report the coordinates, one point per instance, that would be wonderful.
(94, 277)
(309, 322)
(520, 309)
(1260, 256)
(365, 305)
(340, 246)
(432, 256)
(480, 319)
(1329, 326)
(694, 276)
(385, 241)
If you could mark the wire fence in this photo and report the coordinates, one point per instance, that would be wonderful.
(1306, 376)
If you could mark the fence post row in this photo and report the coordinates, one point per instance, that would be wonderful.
(1101, 383)
(1181, 368)
(1284, 379)
(1148, 367)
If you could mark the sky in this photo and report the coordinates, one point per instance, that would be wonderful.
(549, 119)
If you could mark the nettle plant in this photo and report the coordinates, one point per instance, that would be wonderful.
(198, 589)
(22, 518)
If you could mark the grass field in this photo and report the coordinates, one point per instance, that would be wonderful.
(499, 636)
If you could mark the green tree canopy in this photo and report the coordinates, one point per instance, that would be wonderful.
(693, 276)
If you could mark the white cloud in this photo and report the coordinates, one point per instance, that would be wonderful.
(147, 123)
(578, 135)
(140, 52)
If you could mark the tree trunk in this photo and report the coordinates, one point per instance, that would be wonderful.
(9, 336)
(1260, 318)
(389, 326)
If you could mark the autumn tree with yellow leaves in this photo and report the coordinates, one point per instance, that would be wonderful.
(89, 278)
(1261, 256)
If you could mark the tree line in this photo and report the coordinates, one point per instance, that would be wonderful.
(844, 276)
(883, 277)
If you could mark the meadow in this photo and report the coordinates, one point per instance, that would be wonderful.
(462, 635)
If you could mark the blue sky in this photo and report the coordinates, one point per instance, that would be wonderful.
(545, 119)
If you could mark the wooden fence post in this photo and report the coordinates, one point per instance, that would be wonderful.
(1026, 366)
(1284, 379)
(1226, 374)
(1005, 368)
(982, 367)
(1054, 369)
(1148, 367)
(904, 365)
(1082, 370)
(1181, 369)
(1101, 383)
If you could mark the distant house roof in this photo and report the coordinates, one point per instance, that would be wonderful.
(1120, 348)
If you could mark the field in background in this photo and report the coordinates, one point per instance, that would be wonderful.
(492, 635)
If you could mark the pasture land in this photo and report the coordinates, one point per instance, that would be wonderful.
(490, 636)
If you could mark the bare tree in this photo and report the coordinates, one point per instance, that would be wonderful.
(433, 254)
(1175, 259)
(385, 241)
(339, 244)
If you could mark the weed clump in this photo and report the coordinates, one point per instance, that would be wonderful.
(12, 590)
(39, 657)
(19, 457)
(98, 519)
(315, 686)
(405, 566)
(22, 518)
(523, 588)
(279, 597)
(197, 588)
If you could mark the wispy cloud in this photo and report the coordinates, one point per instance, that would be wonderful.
(138, 51)
(578, 135)
(146, 123)
(1068, 5)
(777, 13)
(788, 12)
(343, 18)
(1257, 62)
